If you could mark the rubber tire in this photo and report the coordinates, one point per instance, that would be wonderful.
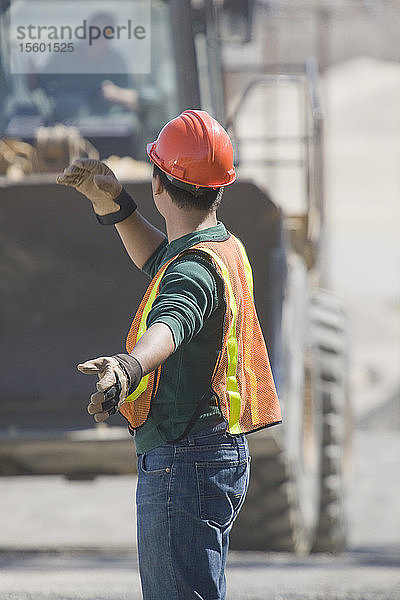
(331, 330)
(270, 518)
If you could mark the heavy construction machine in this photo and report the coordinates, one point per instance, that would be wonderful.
(60, 272)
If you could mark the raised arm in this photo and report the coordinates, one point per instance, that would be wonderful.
(139, 237)
(113, 206)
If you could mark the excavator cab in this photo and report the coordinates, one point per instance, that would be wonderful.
(44, 84)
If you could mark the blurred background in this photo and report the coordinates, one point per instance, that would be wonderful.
(310, 93)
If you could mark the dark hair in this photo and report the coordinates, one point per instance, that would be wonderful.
(204, 199)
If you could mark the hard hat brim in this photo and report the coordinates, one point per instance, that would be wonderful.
(150, 149)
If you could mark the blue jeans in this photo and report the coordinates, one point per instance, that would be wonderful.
(189, 494)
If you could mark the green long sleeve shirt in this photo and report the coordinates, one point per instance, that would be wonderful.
(191, 303)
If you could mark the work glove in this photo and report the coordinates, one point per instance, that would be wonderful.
(119, 376)
(111, 202)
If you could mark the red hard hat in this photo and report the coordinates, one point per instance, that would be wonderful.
(195, 149)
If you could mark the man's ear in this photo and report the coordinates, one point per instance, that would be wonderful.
(158, 187)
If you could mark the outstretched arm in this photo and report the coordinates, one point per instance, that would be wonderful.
(113, 206)
(119, 375)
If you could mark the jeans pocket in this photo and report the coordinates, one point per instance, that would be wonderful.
(222, 489)
(154, 476)
(153, 463)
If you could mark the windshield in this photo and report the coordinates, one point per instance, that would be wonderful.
(116, 108)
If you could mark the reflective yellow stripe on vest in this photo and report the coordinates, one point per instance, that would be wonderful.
(247, 266)
(232, 388)
(142, 328)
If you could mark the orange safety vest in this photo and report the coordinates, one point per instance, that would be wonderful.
(242, 379)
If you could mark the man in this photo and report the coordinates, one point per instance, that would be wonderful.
(78, 82)
(196, 376)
